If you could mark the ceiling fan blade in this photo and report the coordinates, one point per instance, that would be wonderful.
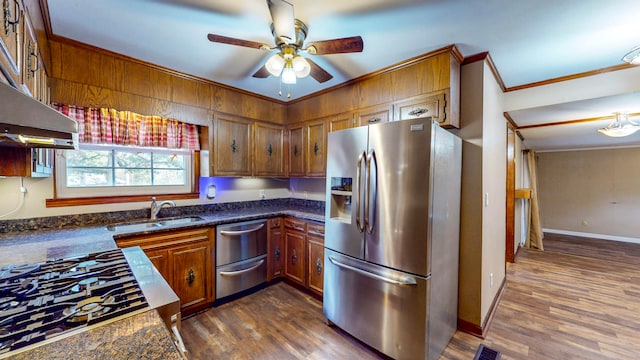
(262, 73)
(238, 42)
(318, 73)
(336, 46)
(283, 21)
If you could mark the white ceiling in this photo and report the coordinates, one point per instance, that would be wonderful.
(529, 41)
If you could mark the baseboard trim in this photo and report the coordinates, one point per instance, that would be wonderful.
(591, 235)
(481, 331)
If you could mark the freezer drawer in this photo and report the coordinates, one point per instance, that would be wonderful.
(384, 308)
(243, 275)
(240, 241)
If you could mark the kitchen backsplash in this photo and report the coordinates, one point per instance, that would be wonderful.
(95, 219)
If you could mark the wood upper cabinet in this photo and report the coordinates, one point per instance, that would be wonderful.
(296, 151)
(275, 249)
(11, 29)
(31, 68)
(28, 162)
(433, 105)
(268, 150)
(374, 115)
(184, 258)
(231, 146)
(316, 148)
(341, 122)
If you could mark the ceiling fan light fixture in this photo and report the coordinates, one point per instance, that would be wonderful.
(620, 126)
(633, 56)
(301, 66)
(288, 74)
(275, 64)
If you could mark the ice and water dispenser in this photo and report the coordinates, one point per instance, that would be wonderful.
(341, 197)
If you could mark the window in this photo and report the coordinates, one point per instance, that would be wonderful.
(116, 170)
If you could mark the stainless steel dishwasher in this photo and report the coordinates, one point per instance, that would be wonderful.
(241, 257)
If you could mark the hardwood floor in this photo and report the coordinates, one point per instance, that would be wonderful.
(579, 299)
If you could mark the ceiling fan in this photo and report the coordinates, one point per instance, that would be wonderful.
(289, 35)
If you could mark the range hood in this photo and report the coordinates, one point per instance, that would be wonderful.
(26, 122)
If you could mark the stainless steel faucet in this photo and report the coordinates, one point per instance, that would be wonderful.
(155, 208)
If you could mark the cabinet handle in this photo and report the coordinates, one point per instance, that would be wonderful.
(418, 111)
(7, 13)
(270, 150)
(295, 150)
(315, 148)
(234, 147)
(278, 253)
(374, 120)
(190, 277)
(32, 54)
(294, 257)
(319, 266)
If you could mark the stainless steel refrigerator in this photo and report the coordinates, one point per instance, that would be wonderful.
(392, 236)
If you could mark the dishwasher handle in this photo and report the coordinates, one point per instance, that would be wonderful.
(241, 232)
(406, 281)
(240, 272)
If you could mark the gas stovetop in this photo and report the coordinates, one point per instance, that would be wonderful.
(41, 301)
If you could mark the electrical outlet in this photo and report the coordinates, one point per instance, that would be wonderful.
(490, 280)
(262, 196)
(306, 195)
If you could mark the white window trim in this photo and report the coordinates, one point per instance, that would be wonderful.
(62, 191)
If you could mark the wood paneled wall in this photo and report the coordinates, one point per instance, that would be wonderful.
(84, 76)
(422, 75)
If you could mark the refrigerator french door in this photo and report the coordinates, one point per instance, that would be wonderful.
(391, 236)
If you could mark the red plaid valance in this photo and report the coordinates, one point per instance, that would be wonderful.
(110, 126)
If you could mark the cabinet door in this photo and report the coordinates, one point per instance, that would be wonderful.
(296, 151)
(276, 254)
(295, 256)
(374, 115)
(189, 273)
(30, 58)
(232, 138)
(316, 148)
(422, 106)
(340, 122)
(316, 265)
(268, 155)
(11, 20)
(160, 259)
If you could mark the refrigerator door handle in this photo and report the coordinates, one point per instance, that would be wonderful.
(406, 281)
(359, 223)
(372, 195)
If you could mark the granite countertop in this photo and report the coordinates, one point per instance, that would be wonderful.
(40, 245)
(141, 336)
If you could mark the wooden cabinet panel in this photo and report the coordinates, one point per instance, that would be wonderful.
(232, 141)
(268, 150)
(275, 249)
(374, 115)
(295, 256)
(30, 59)
(34, 162)
(296, 151)
(11, 20)
(432, 105)
(341, 122)
(160, 259)
(185, 260)
(189, 273)
(316, 265)
(316, 148)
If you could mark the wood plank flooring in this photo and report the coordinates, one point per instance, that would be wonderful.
(579, 299)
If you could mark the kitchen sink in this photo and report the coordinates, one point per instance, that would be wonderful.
(152, 224)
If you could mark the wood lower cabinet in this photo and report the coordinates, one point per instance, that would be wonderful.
(295, 246)
(275, 249)
(185, 259)
(305, 253)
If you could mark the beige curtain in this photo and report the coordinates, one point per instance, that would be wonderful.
(534, 235)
